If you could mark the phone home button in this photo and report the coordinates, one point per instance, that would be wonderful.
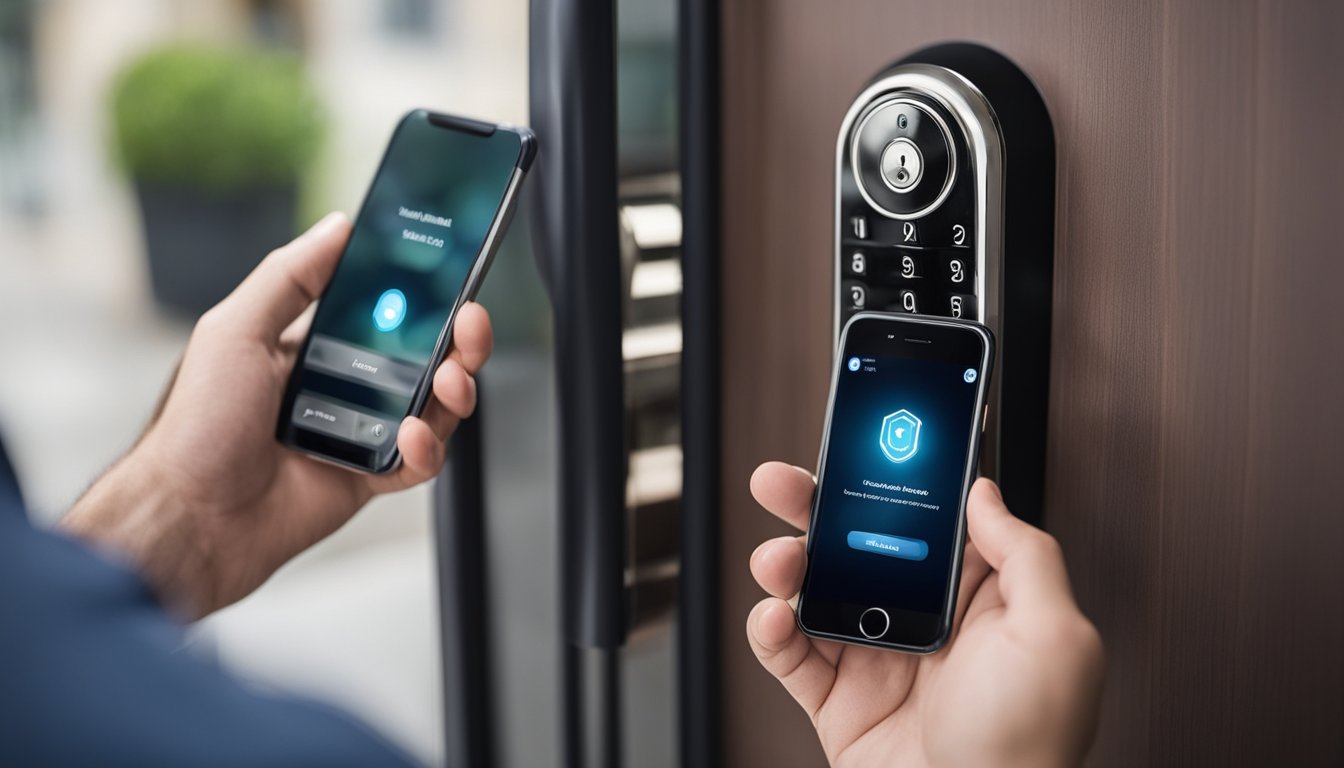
(873, 623)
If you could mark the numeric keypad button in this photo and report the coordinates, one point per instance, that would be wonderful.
(858, 296)
(907, 301)
(960, 236)
(858, 226)
(961, 306)
(909, 266)
(909, 233)
(858, 263)
(958, 273)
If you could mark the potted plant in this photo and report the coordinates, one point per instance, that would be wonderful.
(215, 141)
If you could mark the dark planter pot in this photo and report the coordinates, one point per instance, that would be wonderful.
(202, 244)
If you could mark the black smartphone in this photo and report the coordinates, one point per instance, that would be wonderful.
(421, 244)
(898, 457)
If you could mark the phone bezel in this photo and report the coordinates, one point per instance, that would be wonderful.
(943, 621)
(343, 452)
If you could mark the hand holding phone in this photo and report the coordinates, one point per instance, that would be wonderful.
(422, 243)
(207, 505)
(897, 461)
(1019, 682)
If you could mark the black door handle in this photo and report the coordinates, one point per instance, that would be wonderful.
(576, 236)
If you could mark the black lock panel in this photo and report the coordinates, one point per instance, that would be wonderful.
(929, 220)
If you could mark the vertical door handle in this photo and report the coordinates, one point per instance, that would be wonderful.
(576, 236)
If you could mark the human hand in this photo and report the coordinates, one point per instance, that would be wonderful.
(208, 504)
(1019, 682)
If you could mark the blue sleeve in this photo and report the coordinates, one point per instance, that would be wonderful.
(9, 484)
(91, 673)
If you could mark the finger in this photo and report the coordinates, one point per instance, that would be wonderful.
(974, 570)
(1029, 560)
(778, 566)
(287, 280)
(473, 337)
(789, 655)
(454, 399)
(785, 491)
(422, 456)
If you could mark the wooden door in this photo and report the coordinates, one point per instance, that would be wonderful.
(1195, 448)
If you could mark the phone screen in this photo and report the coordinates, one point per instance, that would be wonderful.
(378, 325)
(897, 462)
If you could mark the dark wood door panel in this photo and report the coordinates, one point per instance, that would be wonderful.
(1196, 360)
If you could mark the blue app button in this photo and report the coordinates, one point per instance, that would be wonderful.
(891, 546)
(390, 310)
(854, 363)
(969, 375)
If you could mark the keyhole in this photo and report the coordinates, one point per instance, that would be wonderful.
(901, 165)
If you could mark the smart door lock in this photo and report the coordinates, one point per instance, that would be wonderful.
(945, 180)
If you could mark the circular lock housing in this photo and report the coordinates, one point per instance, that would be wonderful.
(903, 158)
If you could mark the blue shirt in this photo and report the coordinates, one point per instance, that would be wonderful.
(92, 673)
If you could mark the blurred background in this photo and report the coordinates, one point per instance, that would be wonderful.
(150, 152)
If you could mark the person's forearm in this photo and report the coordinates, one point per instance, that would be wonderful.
(130, 513)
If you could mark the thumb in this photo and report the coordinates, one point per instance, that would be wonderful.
(288, 280)
(1029, 560)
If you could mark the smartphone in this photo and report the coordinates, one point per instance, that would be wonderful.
(898, 456)
(421, 244)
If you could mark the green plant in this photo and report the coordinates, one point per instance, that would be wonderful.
(220, 119)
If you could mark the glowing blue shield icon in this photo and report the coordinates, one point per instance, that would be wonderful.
(390, 310)
(900, 435)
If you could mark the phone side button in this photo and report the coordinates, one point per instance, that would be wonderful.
(873, 623)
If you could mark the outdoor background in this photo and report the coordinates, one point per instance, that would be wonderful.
(88, 350)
